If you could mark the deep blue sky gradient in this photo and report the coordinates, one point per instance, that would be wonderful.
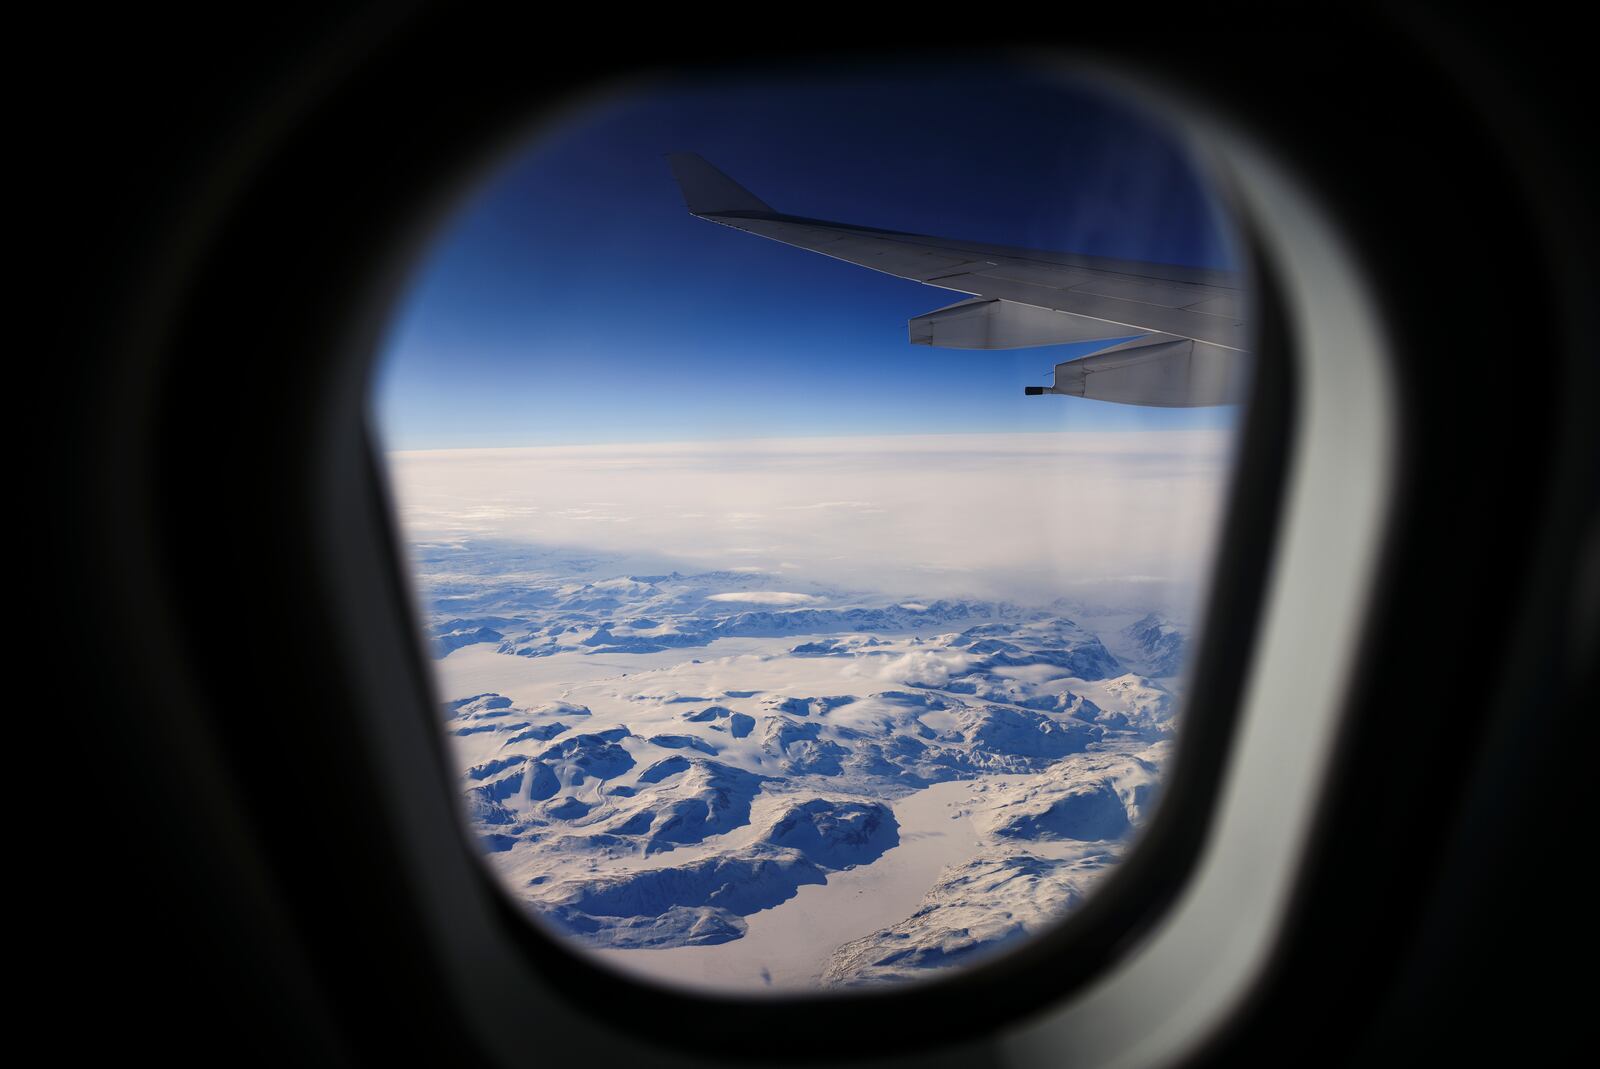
(572, 298)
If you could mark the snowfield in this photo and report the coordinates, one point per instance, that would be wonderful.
(722, 780)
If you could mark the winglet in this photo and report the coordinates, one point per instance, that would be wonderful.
(707, 191)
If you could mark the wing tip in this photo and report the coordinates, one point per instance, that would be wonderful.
(707, 191)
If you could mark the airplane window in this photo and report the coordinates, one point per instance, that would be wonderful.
(817, 621)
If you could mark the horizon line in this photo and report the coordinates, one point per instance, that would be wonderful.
(734, 439)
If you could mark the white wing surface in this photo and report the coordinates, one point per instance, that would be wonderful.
(1175, 336)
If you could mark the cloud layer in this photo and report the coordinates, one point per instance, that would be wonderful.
(1028, 516)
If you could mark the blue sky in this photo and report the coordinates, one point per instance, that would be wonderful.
(572, 299)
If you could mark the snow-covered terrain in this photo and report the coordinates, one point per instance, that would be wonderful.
(660, 765)
(782, 714)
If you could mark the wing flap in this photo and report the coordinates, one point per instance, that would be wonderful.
(1121, 315)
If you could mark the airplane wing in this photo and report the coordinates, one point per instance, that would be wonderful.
(1174, 336)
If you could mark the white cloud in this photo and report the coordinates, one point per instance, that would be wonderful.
(924, 666)
(1028, 516)
(826, 505)
(766, 597)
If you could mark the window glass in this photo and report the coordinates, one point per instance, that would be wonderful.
(783, 641)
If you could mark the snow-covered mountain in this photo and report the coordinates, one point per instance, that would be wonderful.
(663, 765)
(1160, 644)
